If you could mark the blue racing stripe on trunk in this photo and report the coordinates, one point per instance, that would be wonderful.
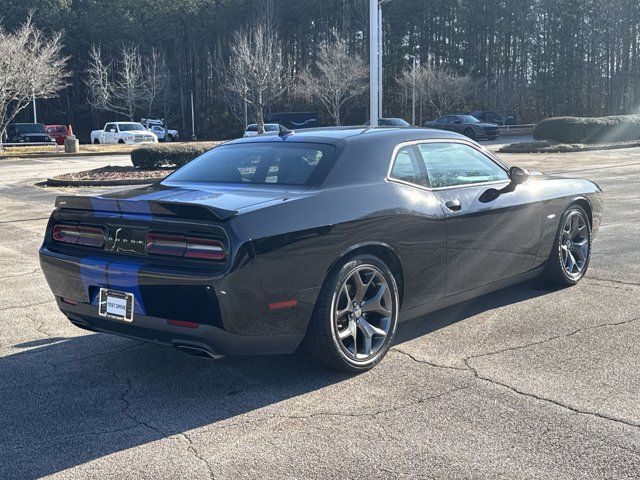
(123, 276)
(108, 208)
(93, 272)
(104, 208)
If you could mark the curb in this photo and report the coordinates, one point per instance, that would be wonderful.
(60, 155)
(55, 182)
(570, 150)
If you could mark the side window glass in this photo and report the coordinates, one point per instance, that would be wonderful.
(453, 164)
(409, 168)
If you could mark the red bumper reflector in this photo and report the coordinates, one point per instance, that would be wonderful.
(283, 305)
(68, 301)
(181, 323)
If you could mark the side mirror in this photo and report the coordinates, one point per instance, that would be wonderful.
(518, 175)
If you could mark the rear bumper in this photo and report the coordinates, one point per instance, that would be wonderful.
(214, 340)
(228, 313)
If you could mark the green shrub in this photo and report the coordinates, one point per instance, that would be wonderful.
(619, 128)
(168, 155)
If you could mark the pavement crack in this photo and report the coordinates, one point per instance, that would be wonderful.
(27, 306)
(39, 325)
(126, 405)
(372, 414)
(468, 362)
(23, 220)
(619, 282)
(192, 448)
(126, 411)
(550, 339)
(33, 272)
(425, 362)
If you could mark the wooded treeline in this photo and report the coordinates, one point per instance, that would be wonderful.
(537, 57)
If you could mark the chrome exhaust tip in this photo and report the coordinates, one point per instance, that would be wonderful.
(196, 351)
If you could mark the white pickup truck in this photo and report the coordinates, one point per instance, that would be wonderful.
(123, 132)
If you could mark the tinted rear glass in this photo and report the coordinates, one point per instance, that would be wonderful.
(259, 163)
(30, 128)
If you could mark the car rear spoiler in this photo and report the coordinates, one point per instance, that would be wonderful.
(191, 211)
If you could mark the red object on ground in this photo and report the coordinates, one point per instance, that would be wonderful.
(57, 132)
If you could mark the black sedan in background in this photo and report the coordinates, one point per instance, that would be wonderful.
(327, 237)
(467, 125)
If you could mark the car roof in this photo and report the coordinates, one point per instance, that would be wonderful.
(335, 135)
(363, 154)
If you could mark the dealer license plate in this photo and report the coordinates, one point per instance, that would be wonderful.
(116, 305)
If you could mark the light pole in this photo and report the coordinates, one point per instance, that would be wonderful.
(193, 121)
(35, 111)
(413, 90)
(380, 89)
(373, 63)
(375, 60)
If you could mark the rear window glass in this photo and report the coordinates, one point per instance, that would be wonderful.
(30, 128)
(259, 163)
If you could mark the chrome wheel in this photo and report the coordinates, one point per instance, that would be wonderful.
(574, 244)
(363, 313)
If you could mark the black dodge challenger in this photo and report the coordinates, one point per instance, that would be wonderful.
(325, 236)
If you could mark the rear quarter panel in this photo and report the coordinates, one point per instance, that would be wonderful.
(297, 242)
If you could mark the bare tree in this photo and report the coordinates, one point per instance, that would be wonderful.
(220, 72)
(131, 84)
(338, 76)
(257, 72)
(157, 79)
(30, 63)
(439, 88)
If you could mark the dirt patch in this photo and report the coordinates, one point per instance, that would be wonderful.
(109, 175)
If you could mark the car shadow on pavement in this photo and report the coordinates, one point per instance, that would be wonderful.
(68, 401)
(442, 318)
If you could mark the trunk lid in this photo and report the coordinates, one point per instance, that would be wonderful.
(200, 202)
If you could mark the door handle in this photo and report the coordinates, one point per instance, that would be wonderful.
(453, 205)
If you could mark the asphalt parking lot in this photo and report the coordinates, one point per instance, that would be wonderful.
(522, 383)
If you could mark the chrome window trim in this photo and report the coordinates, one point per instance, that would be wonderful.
(462, 141)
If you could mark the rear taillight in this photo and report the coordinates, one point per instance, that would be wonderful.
(185, 246)
(79, 235)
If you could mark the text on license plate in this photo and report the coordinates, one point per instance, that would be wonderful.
(115, 304)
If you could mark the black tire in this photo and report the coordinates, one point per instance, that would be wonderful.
(556, 272)
(322, 340)
(469, 133)
(96, 142)
(120, 141)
